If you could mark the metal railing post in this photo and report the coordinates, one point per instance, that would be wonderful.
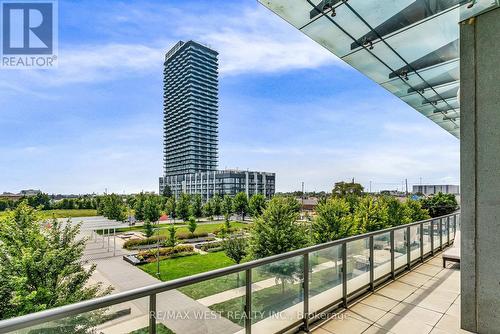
(393, 275)
(408, 247)
(422, 242)
(55, 314)
(441, 234)
(248, 301)
(432, 237)
(372, 270)
(455, 226)
(305, 286)
(344, 274)
(152, 314)
(448, 231)
(114, 241)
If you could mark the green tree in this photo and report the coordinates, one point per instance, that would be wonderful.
(217, 206)
(6, 204)
(256, 205)
(114, 207)
(182, 209)
(345, 188)
(333, 221)
(417, 212)
(167, 191)
(148, 228)
(236, 250)
(208, 210)
(197, 206)
(152, 209)
(240, 204)
(440, 204)
(276, 231)
(41, 266)
(170, 207)
(371, 215)
(172, 239)
(227, 207)
(40, 200)
(192, 225)
(398, 212)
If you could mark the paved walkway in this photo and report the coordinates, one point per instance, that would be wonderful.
(172, 306)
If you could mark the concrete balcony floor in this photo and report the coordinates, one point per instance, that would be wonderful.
(424, 300)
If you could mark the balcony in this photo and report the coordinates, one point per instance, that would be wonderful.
(385, 281)
(425, 300)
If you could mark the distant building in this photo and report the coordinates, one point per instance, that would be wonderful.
(191, 129)
(30, 192)
(309, 203)
(10, 196)
(221, 182)
(431, 189)
(190, 109)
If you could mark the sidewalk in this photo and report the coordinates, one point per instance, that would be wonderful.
(122, 276)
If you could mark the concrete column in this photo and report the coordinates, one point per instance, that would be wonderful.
(246, 183)
(480, 172)
(264, 179)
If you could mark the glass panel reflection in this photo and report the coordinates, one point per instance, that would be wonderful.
(381, 255)
(427, 237)
(358, 264)
(415, 242)
(277, 294)
(325, 277)
(400, 259)
(435, 230)
(224, 296)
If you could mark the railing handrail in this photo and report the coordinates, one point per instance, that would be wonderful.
(121, 297)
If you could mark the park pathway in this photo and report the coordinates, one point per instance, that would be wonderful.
(123, 276)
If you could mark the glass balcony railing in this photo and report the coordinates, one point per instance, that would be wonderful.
(278, 293)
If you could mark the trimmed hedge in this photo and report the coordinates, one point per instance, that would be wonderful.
(165, 252)
(213, 246)
(133, 243)
(142, 242)
(188, 235)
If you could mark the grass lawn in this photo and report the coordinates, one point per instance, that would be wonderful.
(46, 214)
(195, 264)
(209, 228)
(189, 265)
(160, 329)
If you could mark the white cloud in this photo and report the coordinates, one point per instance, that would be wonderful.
(256, 42)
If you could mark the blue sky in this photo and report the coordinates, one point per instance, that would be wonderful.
(286, 105)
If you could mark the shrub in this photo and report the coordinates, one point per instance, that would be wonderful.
(165, 252)
(129, 244)
(188, 235)
(212, 247)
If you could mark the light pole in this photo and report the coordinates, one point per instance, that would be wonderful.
(158, 252)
